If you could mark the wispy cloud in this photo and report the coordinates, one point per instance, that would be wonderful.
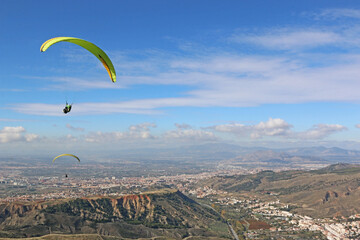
(290, 39)
(221, 78)
(10, 120)
(76, 84)
(12, 90)
(266, 81)
(143, 132)
(135, 132)
(133, 107)
(319, 131)
(182, 126)
(76, 129)
(336, 13)
(185, 132)
(272, 127)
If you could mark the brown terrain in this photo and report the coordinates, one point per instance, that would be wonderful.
(166, 213)
(328, 192)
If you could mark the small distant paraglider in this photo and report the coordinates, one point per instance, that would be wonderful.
(100, 54)
(66, 154)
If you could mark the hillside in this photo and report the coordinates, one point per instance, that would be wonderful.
(166, 213)
(333, 154)
(328, 192)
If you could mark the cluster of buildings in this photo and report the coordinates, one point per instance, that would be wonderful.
(46, 188)
(331, 228)
(202, 192)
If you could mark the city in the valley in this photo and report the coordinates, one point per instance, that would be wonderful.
(251, 210)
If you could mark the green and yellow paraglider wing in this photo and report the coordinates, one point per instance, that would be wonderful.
(100, 54)
(65, 154)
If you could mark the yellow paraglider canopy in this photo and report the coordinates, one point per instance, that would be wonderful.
(66, 154)
(100, 54)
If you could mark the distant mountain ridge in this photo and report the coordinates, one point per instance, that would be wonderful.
(273, 160)
(207, 152)
(221, 151)
(332, 154)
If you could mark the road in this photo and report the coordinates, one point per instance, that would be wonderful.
(236, 237)
(233, 231)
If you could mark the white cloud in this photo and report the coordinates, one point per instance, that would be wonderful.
(15, 134)
(272, 127)
(141, 132)
(186, 132)
(319, 131)
(31, 137)
(279, 128)
(236, 128)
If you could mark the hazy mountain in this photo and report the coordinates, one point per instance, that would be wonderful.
(333, 154)
(273, 160)
(221, 151)
(212, 152)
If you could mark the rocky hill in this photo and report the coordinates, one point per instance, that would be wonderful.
(166, 213)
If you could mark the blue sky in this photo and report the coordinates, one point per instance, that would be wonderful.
(253, 73)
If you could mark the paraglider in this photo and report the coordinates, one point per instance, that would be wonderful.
(67, 108)
(100, 54)
(66, 154)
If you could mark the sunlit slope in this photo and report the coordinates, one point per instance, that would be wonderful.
(166, 213)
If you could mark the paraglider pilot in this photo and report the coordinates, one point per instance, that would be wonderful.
(67, 108)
